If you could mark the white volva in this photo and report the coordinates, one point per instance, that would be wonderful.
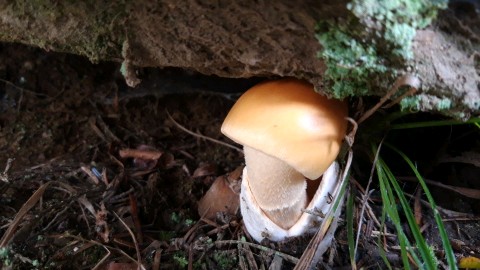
(260, 226)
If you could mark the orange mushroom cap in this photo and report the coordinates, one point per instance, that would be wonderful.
(288, 120)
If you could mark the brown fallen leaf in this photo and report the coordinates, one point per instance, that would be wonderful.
(204, 170)
(167, 161)
(234, 179)
(219, 198)
(121, 266)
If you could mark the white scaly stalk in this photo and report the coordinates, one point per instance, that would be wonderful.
(278, 189)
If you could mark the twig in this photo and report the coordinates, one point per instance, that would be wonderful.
(410, 92)
(97, 266)
(417, 207)
(134, 215)
(447, 212)
(137, 249)
(252, 264)
(367, 195)
(105, 134)
(406, 79)
(190, 257)
(157, 259)
(31, 202)
(287, 257)
(467, 192)
(4, 174)
(140, 153)
(202, 136)
(24, 89)
(47, 163)
(85, 216)
(59, 214)
(108, 248)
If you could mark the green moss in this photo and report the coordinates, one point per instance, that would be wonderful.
(225, 259)
(180, 260)
(398, 20)
(123, 69)
(415, 103)
(444, 104)
(410, 103)
(366, 50)
(89, 27)
(350, 64)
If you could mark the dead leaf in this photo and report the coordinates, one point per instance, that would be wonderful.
(219, 198)
(167, 161)
(121, 266)
(234, 179)
(204, 170)
(29, 204)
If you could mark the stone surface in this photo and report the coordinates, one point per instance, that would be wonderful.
(243, 39)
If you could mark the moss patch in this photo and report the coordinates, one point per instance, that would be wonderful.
(350, 64)
(417, 103)
(89, 28)
(373, 44)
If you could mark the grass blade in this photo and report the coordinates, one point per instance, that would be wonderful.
(438, 219)
(390, 210)
(350, 233)
(474, 120)
(428, 261)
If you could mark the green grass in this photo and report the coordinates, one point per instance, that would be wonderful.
(474, 120)
(415, 252)
(350, 226)
(391, 193)
(180, 260)
(438, 219)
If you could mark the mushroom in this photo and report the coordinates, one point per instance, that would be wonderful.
(290, 133)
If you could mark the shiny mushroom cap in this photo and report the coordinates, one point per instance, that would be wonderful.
(288, 120)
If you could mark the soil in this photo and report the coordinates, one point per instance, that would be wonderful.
(71, 199)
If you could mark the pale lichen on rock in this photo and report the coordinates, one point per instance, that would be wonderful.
(366, 44)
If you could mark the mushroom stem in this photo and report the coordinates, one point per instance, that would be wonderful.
(279, 189)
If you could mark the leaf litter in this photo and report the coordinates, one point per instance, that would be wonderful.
(96, 175)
